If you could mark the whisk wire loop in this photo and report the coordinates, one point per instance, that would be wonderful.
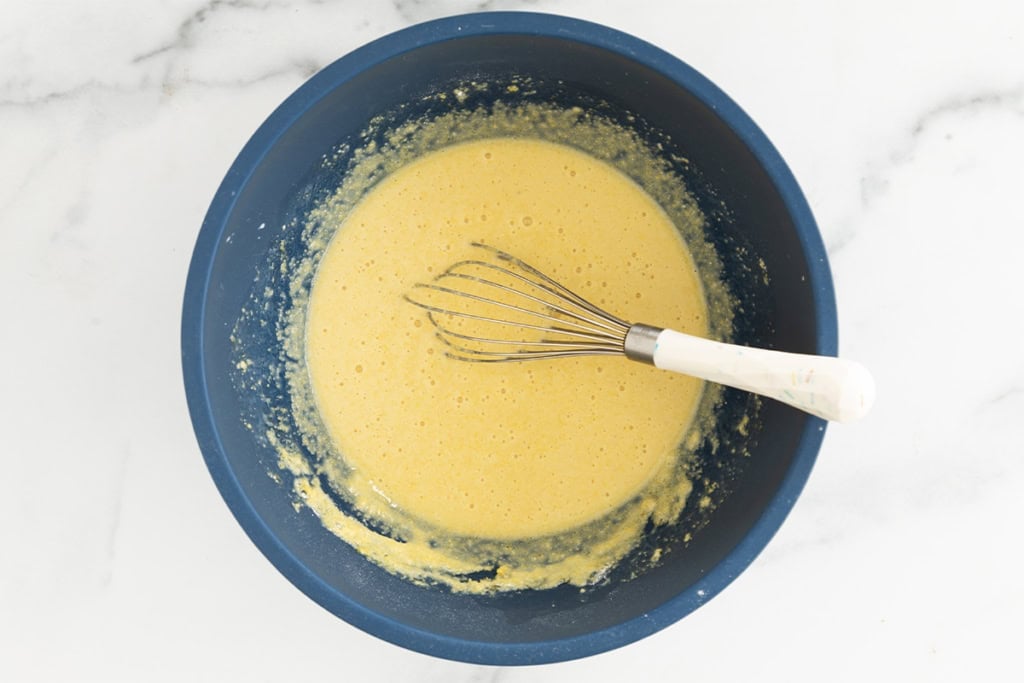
(568, 324)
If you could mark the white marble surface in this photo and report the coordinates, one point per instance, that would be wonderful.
(904, 121)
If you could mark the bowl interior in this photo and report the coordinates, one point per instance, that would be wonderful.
(757, 217)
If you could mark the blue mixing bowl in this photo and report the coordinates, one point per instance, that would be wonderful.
(757, 215)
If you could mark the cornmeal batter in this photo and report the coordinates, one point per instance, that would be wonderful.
(484, 477)
(512, 450)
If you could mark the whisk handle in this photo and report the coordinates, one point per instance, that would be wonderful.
(832, 388)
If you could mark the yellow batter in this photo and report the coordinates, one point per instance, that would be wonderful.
(484, 478)
(506, 451)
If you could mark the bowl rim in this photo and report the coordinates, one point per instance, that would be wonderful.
(198, 284)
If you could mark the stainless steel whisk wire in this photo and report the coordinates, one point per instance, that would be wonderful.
(590, 330)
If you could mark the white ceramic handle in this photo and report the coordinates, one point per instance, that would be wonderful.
(832, 388)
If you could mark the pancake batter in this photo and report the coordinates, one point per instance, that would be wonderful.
(499, 451)
(482, 477)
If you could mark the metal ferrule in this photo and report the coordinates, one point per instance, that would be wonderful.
(640, 343)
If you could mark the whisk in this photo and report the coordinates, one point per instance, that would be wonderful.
(504, 310)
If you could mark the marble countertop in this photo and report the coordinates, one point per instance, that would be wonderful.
(904, 122)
